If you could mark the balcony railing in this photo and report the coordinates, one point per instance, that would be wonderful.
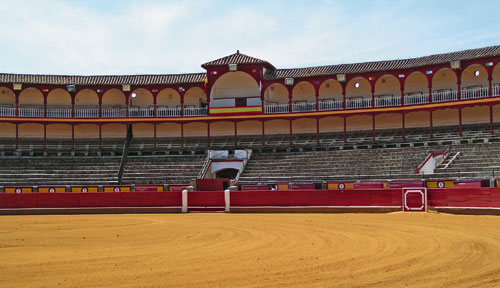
(197, 111)
(303, 107)
(115, 111)
(331, 105)
(168, 112)
(277, 108)
(414, 99)
(444, 96)
(358, 103)
(474, 93)
(387, 101)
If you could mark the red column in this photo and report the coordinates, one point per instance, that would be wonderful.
(402, 97)
(459, 93)
(208, 135)
(44, 136)
(290, 100)
(402, 87)
(491, 119)
(127, 98)
(430, 124)
(317, 131)
(154, 105)
(291, 133)
(343, 95)
(73, 95)
(373, 128)
(373, 96)
(345, 130)
(430, 93)
(73, 136)
(403, 124)
(45, 94)
(100, 106)
(154, 130)
(100, 136)
(316, 89)
(182, 102)
(460, 122)
(17, 104)
(263, 136)
(235, 134)
(489, 85)
(182, 135)
(17, 134)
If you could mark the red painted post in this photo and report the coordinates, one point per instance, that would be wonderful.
(128, 103)
(208, 135)
(459, 93)
(155, 114)
(317, 131)
(403, 124)
(491, 119)
(460, 122)
(290, 100)
(373, 96)
(343, 94)
(235, 134)
(100, 106)
(373, 128)
(182, 93)
(430, 124)
(73, 95)
(45, 94)
(345, 130)
(430, 93)
(263, 136)
(17, 105)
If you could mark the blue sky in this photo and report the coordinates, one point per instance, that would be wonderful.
(167, 37)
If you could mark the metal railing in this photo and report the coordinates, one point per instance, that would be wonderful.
(114, 113)
(415, 99)
(197, 111)
(358, 103)
(31, 112)
(141, 112)
(474, 93)
(444, 96)
(58, 113)
(331, 105)
(387, 101)
(168, 112)
(277, 108)
(7, 111)
(86, 113)
(302, 107)
(496, 90)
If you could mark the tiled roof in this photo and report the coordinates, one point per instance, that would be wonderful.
(103, 80)
(383, 65)
(236, 58)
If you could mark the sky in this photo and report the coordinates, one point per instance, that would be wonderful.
(124, 37)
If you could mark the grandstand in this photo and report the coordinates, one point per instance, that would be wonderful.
(374, 121)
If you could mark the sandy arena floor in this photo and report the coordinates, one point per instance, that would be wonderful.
(250, 250)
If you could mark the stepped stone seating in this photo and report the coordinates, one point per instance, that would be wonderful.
(478, 161)
(89, 170)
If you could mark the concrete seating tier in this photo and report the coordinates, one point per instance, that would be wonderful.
(88, 170)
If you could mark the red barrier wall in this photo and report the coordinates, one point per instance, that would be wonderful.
(206, 199)
(77, 200)
(464, 197)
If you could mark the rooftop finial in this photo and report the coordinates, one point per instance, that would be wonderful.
(237, 51)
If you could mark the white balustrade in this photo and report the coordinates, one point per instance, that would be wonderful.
(141, 112)
(86, 113)
(168, 112)
(387, 101)
(331, 105)
(302, 107)
(277, 108)
(415, 99)
(197, 111)
(114, 113)
(496, 90)
(358, 103)
(31, 112)
(474, 93)
(7, 111)
(58, 113)
(444, 96)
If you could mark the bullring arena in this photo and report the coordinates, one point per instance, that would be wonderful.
(380, 174)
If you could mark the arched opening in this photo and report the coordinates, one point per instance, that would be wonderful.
(31, 103)
(228, 173)
(195, 102)
(59, 103)
(276, 99)
(444, 85)
(168, 103)
(303, 97)
(141, 103)
(7, 102)
(387, 91)
(495, 80)
(474, 82)
(358, 93)
(330, 95)
(113, 103)
(235, 89)
(86, 104)
(416, 89)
